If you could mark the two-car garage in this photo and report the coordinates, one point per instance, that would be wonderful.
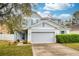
(43, 37)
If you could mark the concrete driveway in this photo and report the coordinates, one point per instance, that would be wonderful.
(53, 50)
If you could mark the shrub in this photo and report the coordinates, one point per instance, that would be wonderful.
(67, 38)
(17, 40)
(14, 42)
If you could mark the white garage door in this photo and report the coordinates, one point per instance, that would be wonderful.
(43, 37)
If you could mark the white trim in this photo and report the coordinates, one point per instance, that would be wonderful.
(29, 35)
(45, 21)
(44, 28)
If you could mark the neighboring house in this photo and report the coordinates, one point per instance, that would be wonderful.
(74, 29)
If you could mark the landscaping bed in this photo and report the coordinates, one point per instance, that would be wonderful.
(7, 49)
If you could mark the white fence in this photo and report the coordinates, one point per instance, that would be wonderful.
(7, 37)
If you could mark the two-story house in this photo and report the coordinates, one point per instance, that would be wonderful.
(36, 29)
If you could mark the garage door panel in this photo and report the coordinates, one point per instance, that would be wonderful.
(42, 37)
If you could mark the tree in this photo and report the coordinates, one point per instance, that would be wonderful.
(11, 8)
(12, 14)
(13, 23)
(76, 14)
(75, 17)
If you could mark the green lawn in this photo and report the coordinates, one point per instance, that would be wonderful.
(72, 45)
(13, 50)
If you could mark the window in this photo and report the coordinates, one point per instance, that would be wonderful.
(43, 24)
(62, 32)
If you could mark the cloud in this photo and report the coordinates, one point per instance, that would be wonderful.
(57, 6)
(45, 14)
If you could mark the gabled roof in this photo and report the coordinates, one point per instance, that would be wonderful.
(50, 22)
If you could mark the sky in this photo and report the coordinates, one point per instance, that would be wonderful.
(57, 10)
